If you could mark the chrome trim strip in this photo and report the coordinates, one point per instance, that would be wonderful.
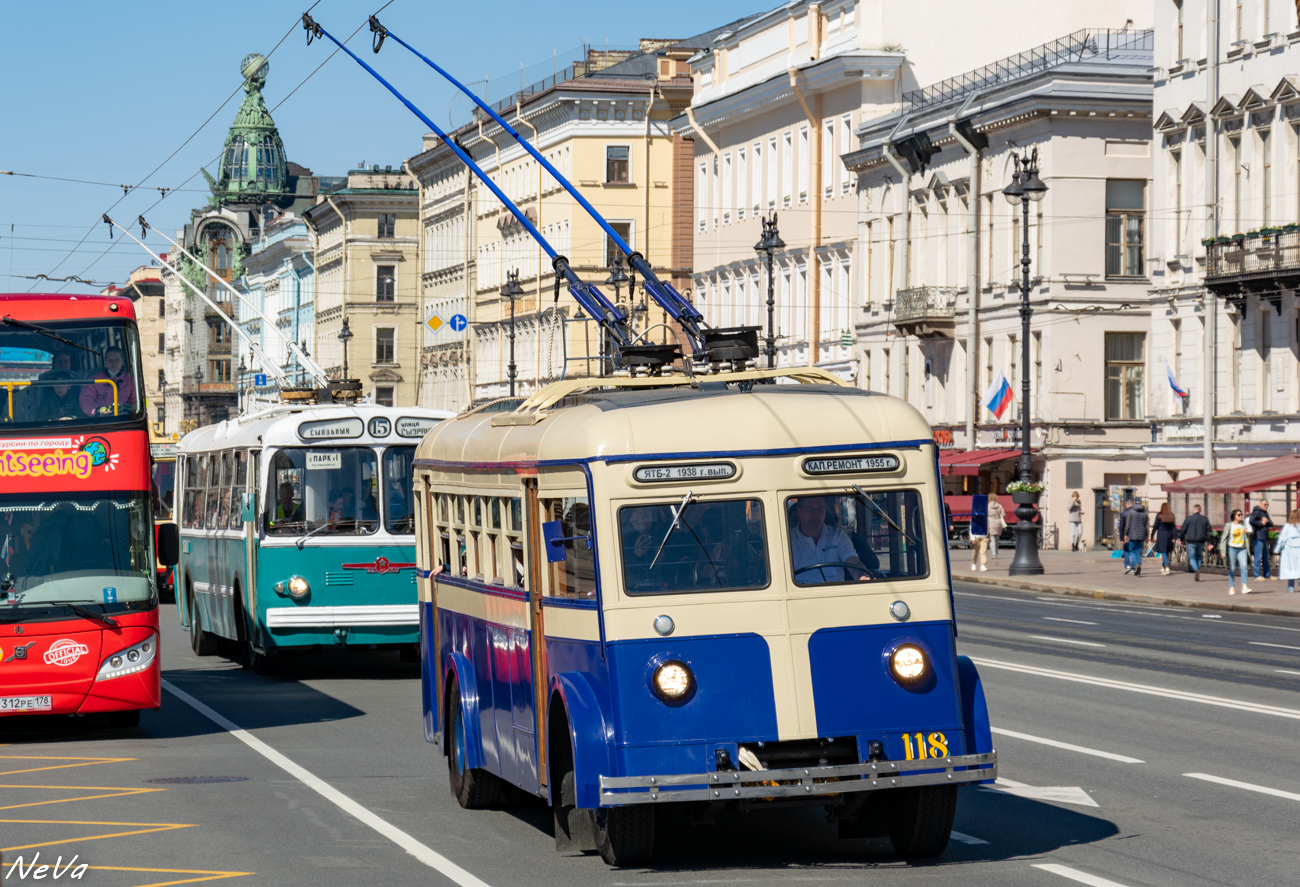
(342, 617)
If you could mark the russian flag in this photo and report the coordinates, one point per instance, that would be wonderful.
(1173, 381)
(998, 397)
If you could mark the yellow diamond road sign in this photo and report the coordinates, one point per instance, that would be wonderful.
(435, 323)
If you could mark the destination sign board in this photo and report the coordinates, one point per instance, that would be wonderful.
(851, 464)
(648, 474)
(332, 429)
(414, 426)
(324, 459)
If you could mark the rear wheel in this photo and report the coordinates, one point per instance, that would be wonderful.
(920, 820)
(474, 788)
(124, 720)
(203, 643)
(625, 836)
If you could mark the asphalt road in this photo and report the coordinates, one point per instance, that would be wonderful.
(1103, 710)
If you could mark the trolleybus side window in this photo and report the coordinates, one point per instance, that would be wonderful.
(399, 476)
(326, 492)
(856, 537)
(220, 492)
(239, 483)
(710, 546)
(196, 491)
(514, 508)
(575, 576)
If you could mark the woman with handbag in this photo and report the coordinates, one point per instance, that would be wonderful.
(1163, 531)
(1236, 544)
(997, 523)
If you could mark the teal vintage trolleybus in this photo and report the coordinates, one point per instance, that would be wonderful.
(297, 529)
(665, 592)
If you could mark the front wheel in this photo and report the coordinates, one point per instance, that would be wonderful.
(474, 788)
(625, 836)
(920, 820)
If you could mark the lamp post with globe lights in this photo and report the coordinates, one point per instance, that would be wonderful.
(768, 244)
(1025, 188)
(512, 290)
(617, 277)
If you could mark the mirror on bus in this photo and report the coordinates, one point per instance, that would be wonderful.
(553, 541)
(169, 545)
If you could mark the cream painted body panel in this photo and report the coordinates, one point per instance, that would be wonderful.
(571, 624)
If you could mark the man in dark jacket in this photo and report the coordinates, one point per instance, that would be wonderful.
(1260, 524)
(1134, 527)
(1195, 533)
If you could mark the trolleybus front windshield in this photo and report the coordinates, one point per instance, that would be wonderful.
(323, 492)
(81, 548)
(856, 537)
(68, 372)
(693, 546)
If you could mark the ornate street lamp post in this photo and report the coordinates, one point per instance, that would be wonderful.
(512, 290)
(768, 244)
(242, 370)
(617, 277)
(345, 336)
(1025, 188)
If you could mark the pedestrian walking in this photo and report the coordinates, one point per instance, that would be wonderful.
(1076, 521)
(1288, 550)
(1133, 531)
(979, 539)
(1164, 530)
(1236, 542)
(1195, 533)
(997, 523)
(1260, 524)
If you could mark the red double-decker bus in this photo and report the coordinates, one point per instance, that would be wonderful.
(78, 578)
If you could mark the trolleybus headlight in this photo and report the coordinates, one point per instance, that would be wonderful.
(298, 587)
(672, 681)
(908, 663)
(133, 659)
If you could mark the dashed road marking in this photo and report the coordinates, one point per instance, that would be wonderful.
(967, 839)
(1075, 875)
(1285, 671)
(422, 852)
(1250, 787)
(1110, 756)
(1043, 637)
(1072, 621)
(1279, 646)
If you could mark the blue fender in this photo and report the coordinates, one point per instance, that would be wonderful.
(590, 734)
(974, 710)
(428, 681)
(461, 670)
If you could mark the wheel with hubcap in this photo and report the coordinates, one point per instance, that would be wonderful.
(625, 836)
(920, 820)
(473, 787)
(203, 643)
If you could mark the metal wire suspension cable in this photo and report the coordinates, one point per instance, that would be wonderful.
(592, 301)
(668, 298)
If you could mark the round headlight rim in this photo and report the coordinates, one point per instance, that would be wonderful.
(891, 663)
(658, 690)
(291, 587)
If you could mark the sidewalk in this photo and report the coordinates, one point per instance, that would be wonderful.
(1095, 574)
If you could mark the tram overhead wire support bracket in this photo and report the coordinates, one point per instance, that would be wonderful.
(309, 25)
(377, 34)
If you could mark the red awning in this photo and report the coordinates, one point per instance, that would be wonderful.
(1270, 474)
(967, 462)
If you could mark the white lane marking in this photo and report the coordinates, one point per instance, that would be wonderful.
(1262, 789)
(1126, 608)
(967, 839)
(1285, 671)
(1110, 756)
(1256, 707)
(1279, 646)
(1074, 621)
(1212, 616)
(426, 855)
(1059, 794)
(1075, 875)
(1043, 637)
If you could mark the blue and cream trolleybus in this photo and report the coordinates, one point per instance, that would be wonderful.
(297, 529)
(698, 594)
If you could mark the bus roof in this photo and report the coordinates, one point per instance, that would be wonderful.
(328, 424)
(65, 306)
(718, 417)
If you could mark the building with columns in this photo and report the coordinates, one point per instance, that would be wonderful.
(1225, 246)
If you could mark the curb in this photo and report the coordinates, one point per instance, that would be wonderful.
(1103, 594)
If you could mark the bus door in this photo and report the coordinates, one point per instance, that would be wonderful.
(537, 626)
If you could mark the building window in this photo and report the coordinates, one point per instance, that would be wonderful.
(385, 283)
(387, 225)
(787, 168)
(1235, 146)
(162, 307)
(162, 380)
(385, 344)
(612, 250)
(617, 165)
(1125, 358)
(384, 395)
(771, 173)
(161, 410)
(1266, 157)
(218, 371)
(1178, 34)
(1125, 201)
(162, 342)
(218, 334)
(726, 188)
(1266, 359)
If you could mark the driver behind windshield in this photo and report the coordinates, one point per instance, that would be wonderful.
(813, 542)
(97, 398)
(286, 510)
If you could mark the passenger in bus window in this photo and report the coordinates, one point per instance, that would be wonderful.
(814, 543)
(59, 402)
(97, 399)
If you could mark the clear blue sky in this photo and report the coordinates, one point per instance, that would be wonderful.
(106, 91)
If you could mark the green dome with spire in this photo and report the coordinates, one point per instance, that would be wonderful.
(253, 168)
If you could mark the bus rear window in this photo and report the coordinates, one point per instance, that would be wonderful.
(712, 546)
(856, 538)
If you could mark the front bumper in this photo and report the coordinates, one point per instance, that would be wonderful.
(797, 782)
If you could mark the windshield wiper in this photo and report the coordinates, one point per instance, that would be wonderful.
(83, 611)
(302, 539)
(9, 321)
(677, 516)
(880, 511)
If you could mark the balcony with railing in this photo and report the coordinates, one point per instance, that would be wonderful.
(1236, 268)
(927, 312)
